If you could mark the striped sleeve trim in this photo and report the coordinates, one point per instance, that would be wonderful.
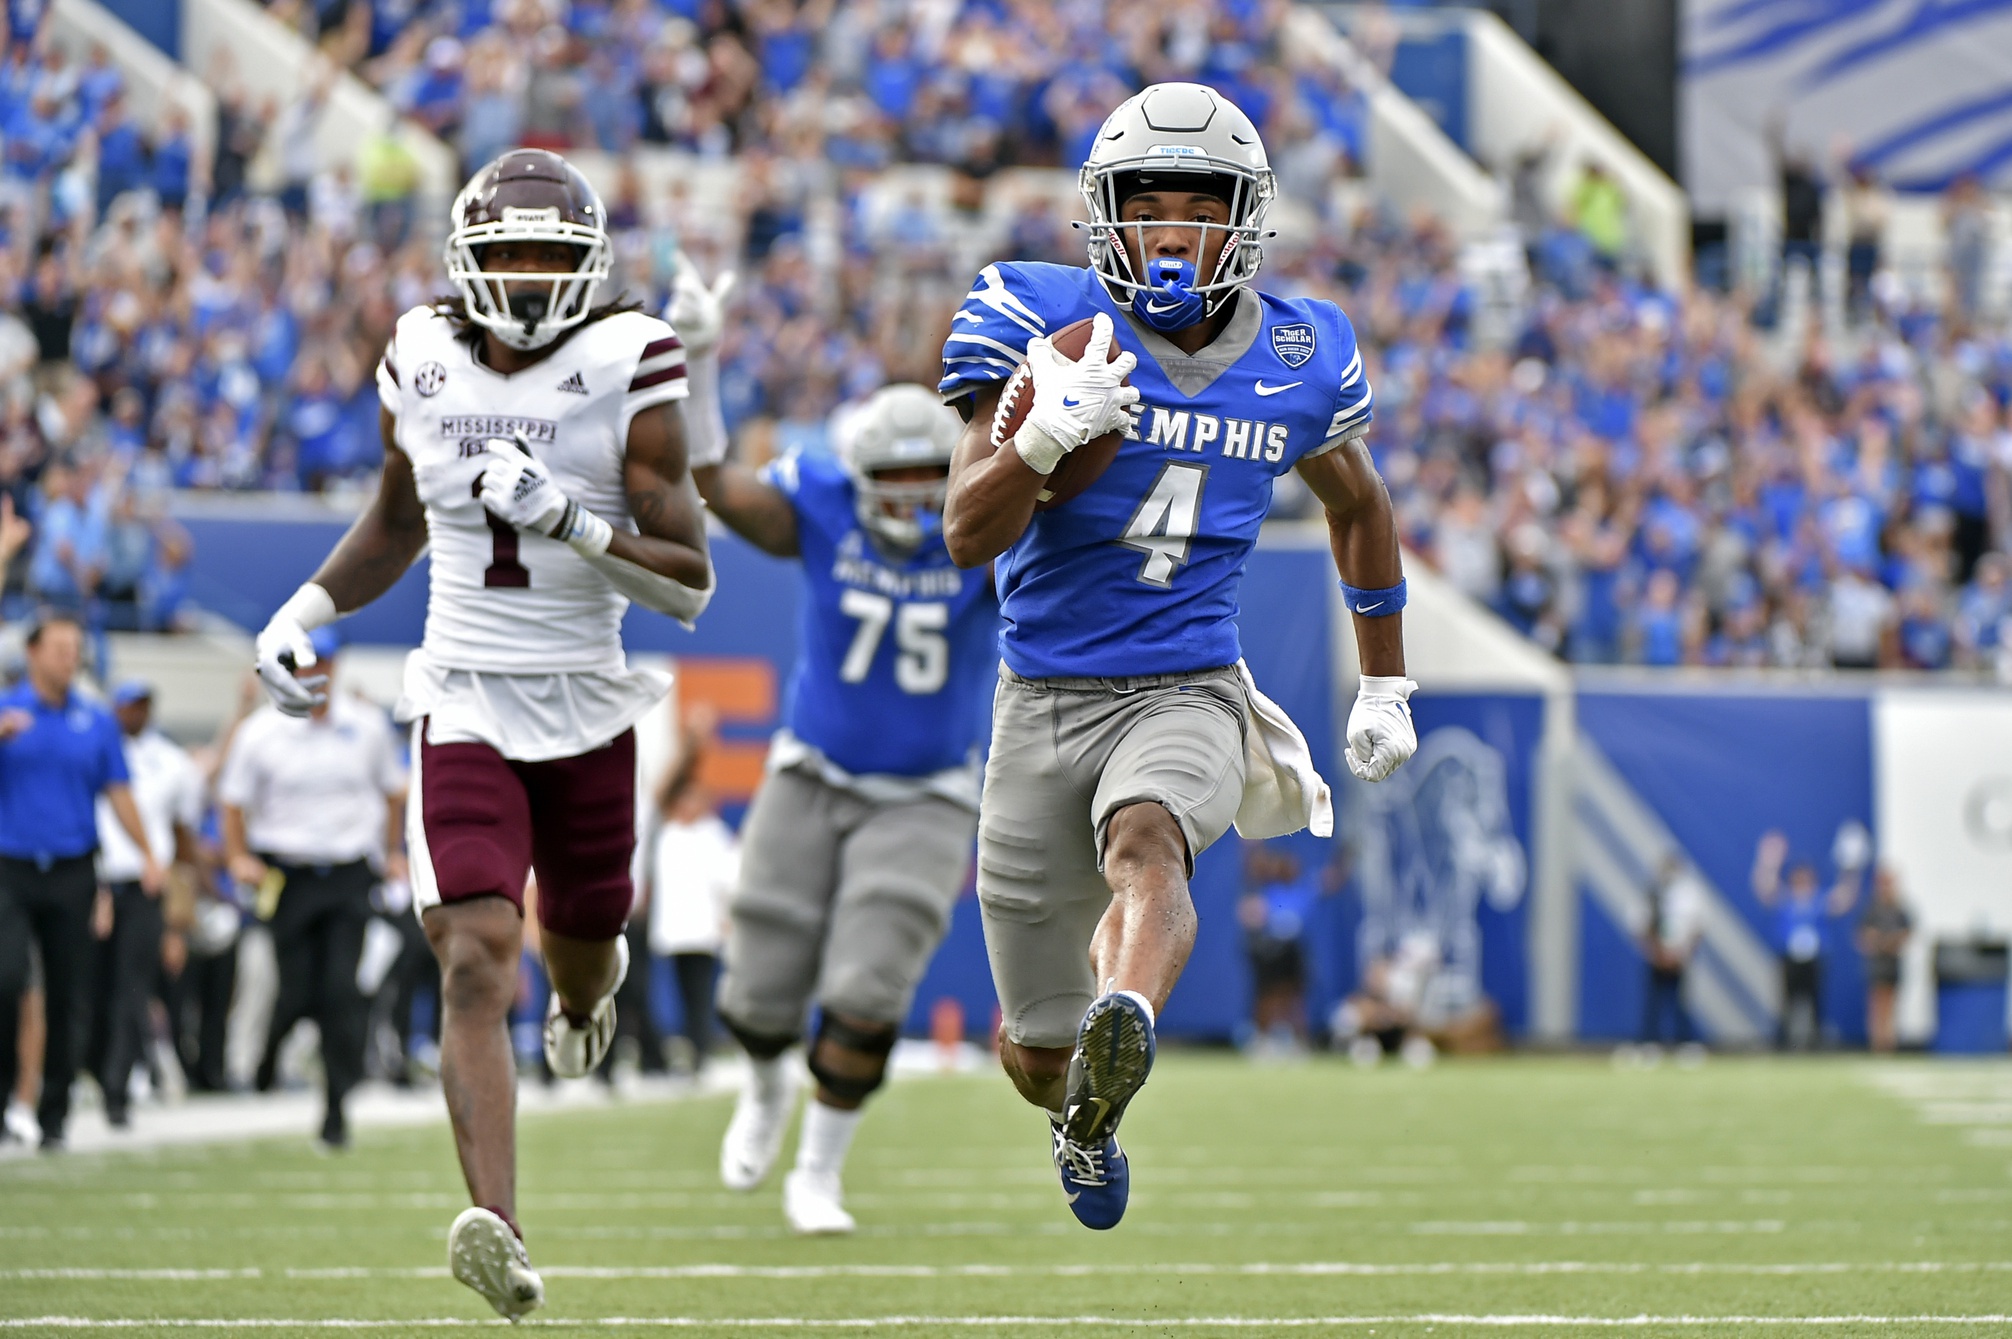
(390, 368)
(644, 380)
(663, 360)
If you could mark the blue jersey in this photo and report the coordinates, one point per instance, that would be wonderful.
(1138, 574)
(897, 659)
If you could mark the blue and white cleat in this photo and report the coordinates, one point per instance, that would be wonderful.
(1097, 1180)
(1114, 1054)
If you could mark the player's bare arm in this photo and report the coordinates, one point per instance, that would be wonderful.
(1074, 400)
(757, 512)
(385, 540)
(992, 492)
(671, 541)
(1362, 531)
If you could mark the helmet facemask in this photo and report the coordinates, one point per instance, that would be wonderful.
(901, 428)
(527, 309)
(901, 517)
(1167, 297)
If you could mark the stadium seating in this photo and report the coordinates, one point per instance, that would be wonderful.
(1625, 474)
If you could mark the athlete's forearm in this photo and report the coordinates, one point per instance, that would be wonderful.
(385, 540)
(682, 600)
(664, 503)
(992, 493)
(757, 512)
(1362, 532)
(668, 558)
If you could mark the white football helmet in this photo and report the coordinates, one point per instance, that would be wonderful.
(1183, 137)
(900, 427)
(528, 195)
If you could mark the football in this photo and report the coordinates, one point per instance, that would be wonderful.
(1081, 467)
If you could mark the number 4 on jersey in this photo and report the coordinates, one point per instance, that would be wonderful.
(1163, 528)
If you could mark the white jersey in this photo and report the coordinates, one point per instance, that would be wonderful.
(523, 645)
(501, 600)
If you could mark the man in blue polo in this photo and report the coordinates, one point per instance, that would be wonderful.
(58, 753)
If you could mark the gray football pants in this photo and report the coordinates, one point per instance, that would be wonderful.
(1067, 754)
(842, 902)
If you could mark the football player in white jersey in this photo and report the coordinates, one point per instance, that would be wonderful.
(534, 441)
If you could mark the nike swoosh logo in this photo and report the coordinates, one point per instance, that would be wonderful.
(1070, 402)
(1157, 307)
(1075, 1195)
(1263, 389)
(1370, 609)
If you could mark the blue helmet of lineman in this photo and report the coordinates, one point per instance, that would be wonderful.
(1178, 137)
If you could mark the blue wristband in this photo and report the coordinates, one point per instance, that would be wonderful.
(1373, 603)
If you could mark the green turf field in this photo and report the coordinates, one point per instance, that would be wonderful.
(1540, 1194)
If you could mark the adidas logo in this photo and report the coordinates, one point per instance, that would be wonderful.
(574, 384)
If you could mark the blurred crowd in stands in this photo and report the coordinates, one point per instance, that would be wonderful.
(1626, 474)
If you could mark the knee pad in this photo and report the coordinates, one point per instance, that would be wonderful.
(875, 1042)
(760, 1045)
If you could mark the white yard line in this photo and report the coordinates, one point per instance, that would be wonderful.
(1510, 1320)
(1292, 1268)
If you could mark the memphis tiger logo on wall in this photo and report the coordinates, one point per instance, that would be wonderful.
(1292, 343)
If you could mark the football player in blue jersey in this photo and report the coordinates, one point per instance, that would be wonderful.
(858, 842)
(1127, 735)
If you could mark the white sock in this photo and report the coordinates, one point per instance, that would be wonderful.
(826, 1135)
(770, 1081)
(1143, 1003)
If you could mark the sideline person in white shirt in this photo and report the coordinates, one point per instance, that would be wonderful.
(168, 792)
(693, 867)
(1672, 928)
(309, 803)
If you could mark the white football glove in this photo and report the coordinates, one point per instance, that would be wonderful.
(515, 488)
(698, 315)
(283, 645)
(1381, 737)
(1074, 400)
(697, 312)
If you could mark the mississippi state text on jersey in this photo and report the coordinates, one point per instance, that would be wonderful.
(1138, 574)
(500, 599)
(897, 657)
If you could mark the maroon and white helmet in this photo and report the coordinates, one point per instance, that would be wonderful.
(528, 195)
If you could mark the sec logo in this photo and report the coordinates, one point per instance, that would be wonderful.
(430, 378)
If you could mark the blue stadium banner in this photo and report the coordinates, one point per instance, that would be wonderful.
(1920, 91)
(1707, 776)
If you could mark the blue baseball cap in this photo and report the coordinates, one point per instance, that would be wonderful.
(131, 691)
(325, 641)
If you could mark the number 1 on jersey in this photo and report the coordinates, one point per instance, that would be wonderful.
(1163, 528)
(504, 569)
(923, 665)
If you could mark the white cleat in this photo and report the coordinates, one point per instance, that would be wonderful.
(573, 1051)
(485, 1254)
(813, 1202)
(754, 1135)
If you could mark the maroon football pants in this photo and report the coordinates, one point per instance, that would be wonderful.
(484, 821)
